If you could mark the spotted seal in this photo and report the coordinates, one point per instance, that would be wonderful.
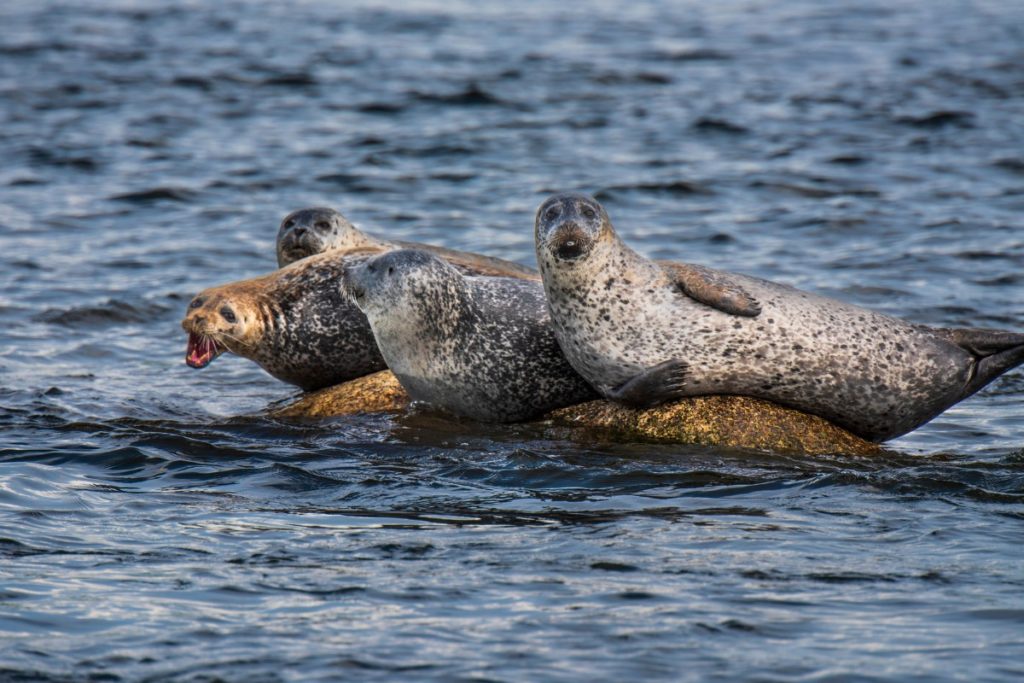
(296, 323)
(645, 332)
(313, 231)
(479, 347)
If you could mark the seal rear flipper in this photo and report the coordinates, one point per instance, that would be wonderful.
(989, 367)
(712, 288)
(659, 384)
(994, 351)
(981, 342)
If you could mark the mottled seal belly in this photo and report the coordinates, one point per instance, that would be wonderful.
(644, 332)
(477, 347)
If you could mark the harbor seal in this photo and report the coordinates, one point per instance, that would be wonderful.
(294, 323)
(644, 332)
(478, 347)
(313, 231)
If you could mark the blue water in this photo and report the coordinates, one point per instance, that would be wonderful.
(154, 525)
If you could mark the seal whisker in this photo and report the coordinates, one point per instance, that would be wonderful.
(235, 339)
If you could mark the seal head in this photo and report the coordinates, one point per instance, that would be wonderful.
(312, 231)
(479, 347)
(569, 225)
(402, 287)
(218, 320)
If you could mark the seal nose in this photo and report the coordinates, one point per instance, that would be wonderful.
(568, 241)
(193, 323)
(299, 232)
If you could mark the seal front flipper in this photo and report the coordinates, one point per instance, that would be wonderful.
(712, 289)
(662, 383)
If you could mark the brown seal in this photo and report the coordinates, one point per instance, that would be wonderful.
(295, 323)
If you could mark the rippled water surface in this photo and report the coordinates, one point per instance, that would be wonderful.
(154, 526)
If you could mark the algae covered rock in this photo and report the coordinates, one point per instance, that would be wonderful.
(376, 393)
(725, 421)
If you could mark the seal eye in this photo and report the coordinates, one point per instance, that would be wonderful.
(322, 226)
(196, 303)
(588, 212)
(287, 224)
(552, 213)
(228, 314)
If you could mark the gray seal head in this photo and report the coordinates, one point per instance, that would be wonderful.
(312, 231)
(306, 232)
(644, 332)
(479, 347)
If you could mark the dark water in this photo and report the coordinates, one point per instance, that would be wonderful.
(154, 527)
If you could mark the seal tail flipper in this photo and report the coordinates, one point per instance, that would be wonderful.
(659, 384)
(995, 352)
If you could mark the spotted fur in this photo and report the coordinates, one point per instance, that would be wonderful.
(295, 322)
(617, 314)
(480, 347)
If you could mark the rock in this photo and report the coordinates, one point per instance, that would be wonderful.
(724, 421)
(376, 393)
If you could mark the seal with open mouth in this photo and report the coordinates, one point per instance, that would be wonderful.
(645, 332)
(295, 323)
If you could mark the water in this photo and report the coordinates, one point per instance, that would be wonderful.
(153, 526)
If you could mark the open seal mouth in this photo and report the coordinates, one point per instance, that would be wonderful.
(201, 350)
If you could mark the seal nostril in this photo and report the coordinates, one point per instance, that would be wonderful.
(569, 249)
(299, 232)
